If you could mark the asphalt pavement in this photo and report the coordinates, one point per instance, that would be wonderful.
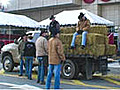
(11, 80)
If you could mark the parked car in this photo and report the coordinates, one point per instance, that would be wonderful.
(10, 55)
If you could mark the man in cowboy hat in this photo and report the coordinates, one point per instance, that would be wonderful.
(54, 26)
(20, 50)
(56, 58)
(41, 54)
(82, 28)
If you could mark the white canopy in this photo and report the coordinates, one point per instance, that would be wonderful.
(17, 20)
(71, 17)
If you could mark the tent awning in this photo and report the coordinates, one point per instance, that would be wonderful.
(17, 20)
(71, 17)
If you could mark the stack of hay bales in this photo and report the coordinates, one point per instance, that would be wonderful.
(97, 42)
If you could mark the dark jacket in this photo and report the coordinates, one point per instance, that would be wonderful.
(29, 49)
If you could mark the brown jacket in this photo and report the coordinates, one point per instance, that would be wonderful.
(41, 46)
(83, 25)
(55, 52)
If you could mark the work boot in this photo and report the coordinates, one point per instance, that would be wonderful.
(30, 79)
(20, 75)
(38, 81)
(82, 47)
(42, 83)
(72, 47)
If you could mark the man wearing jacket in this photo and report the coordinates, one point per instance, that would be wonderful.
(29, 55)
(41, 53)
(20, 49)
(54, 26)
(56, 56)
(82, 28)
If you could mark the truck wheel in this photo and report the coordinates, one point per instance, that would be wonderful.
(8, 63)
(69, 70)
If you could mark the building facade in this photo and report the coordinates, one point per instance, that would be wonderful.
(42, 9)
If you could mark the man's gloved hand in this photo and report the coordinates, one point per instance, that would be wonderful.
(80, 31)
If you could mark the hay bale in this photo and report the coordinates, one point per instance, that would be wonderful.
(97, 45)
(67, 49)
(95, 38)
(100, 29)
(110, 49)
(106, 40)
(66, 38)
(93, 50)
(92, 38)
(97, 50)
(68, 30)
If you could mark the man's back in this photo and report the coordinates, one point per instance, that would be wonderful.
(41, 46)
(29, 49)
(55, 51)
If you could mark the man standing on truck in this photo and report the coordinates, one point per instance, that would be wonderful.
(54, 26)
(42, 54)
(82, 28)
(29, 55)
(56, 56)
(20, 50)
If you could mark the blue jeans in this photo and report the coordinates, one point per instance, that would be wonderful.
(28, 65)
(84, 36)
(41, 69)
(57, 69)
(21, 65)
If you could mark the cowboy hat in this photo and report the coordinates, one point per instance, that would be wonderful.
(51, 17)
(81, 15)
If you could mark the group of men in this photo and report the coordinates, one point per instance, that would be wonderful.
(52, 49)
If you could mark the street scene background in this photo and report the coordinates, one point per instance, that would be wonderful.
(20, 16)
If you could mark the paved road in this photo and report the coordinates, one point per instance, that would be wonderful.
(10, 80)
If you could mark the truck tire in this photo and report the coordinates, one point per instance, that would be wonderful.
(69, 70)
(8, 63)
